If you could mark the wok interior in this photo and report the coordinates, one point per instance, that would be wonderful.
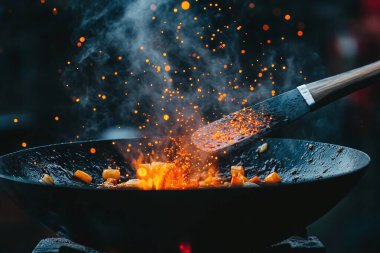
(294, 160)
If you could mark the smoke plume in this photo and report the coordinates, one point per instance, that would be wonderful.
(160, 66)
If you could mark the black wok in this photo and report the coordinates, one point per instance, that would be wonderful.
(315, 177)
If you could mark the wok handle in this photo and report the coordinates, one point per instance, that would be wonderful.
(334, 87)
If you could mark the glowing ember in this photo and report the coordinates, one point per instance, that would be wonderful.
(185, 5)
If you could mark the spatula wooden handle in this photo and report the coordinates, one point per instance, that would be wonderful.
(333, 87)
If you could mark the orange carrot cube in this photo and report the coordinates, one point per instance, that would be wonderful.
(237, 171)
(236, 181)
(47, 179)
(273, 178)
(255, 180)
(83, 176)
(111, 173)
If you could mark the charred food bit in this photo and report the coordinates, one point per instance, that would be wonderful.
(83, 176)
(340, 149)
(111, 173)
(47, 179)
(261, 149)
(273, 178)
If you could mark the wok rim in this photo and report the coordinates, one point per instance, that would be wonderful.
(91, 188)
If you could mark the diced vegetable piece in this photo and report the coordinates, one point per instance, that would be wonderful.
(273, 177)
(255, 180)
(237, 181)
(237, 175)
(83, 176)
(47, 179)
(111, 173)
(249, 184)
(237, 171)
(261, 149)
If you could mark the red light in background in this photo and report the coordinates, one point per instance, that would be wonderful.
(185, 248)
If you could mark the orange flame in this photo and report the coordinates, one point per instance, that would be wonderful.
(187, 170)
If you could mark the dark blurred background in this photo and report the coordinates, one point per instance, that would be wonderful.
(36, 41)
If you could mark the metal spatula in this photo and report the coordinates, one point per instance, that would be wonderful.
(258, 120)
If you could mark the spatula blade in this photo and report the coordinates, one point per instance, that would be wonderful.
(251, 122)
